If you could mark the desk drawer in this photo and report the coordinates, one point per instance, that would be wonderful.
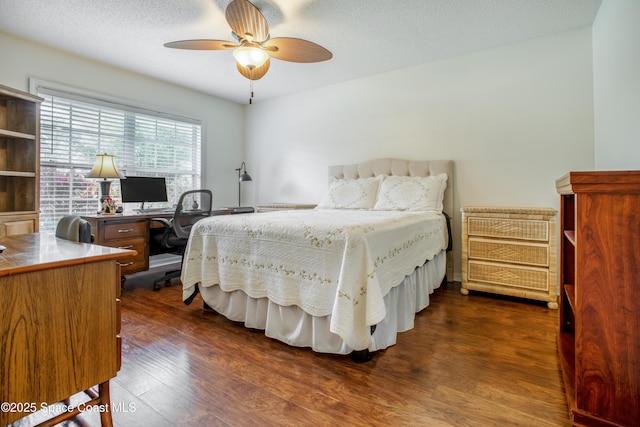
(132, 264)
(124, 230)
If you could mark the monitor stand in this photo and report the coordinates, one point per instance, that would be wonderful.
(140, 209)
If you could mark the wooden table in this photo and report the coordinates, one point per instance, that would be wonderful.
(59, 322)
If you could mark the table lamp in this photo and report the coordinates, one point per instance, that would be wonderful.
(105, 167)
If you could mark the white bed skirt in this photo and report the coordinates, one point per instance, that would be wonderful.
(291, 325)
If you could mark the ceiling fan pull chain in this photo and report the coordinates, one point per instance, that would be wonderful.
(251, 90)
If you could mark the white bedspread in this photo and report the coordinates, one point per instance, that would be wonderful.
(338, 262)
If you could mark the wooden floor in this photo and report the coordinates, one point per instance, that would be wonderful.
(474, 360)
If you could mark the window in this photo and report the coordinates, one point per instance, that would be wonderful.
(74, 128)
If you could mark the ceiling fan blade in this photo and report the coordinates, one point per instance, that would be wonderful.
(256, 73)
(202, 44)
(245, 19)
(296, 50)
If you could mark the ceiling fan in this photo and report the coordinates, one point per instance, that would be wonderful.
(254, 44)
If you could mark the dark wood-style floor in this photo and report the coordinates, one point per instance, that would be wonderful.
(475, 360)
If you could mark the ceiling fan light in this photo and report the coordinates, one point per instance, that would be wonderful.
(250, 57)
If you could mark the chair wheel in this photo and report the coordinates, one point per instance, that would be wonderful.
(156, 287)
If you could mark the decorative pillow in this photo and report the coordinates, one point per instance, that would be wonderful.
(351, 193)
(412, 193)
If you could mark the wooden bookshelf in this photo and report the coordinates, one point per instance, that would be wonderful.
(19, 161)
(599, 330)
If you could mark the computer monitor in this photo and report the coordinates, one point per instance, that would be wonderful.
(141, 189)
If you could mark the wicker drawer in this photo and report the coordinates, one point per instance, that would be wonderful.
(509, 228)
(124, 230)
(509, 275)
(505, 251)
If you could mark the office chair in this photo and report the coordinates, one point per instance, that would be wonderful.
(75, 229)
(192, 206)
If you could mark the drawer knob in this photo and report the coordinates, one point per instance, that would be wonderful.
(125, 247)
(127, 264)
(125, 230)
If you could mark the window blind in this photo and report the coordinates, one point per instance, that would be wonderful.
(74, 128)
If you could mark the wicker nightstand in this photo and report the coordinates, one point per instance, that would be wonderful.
(266, 207)
(510, 251)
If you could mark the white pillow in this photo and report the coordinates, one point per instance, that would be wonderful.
(351, 193)
(412, 193)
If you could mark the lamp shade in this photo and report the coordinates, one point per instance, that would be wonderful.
(250, 56)
(245, 176)
(105, 167)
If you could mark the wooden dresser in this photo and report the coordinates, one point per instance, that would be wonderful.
(510, 251)
(59, 323)
(599, 329)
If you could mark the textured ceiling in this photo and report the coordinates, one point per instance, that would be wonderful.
(365, 36)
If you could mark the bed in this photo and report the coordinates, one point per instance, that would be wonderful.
(342, 278)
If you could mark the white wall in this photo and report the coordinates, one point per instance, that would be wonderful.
(223, 121)
(513, 120)
(616, 75)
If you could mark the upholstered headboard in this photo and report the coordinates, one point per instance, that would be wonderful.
(404, 168)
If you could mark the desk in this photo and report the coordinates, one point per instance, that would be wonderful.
(134, 231)
(126, 231)
(59, 322)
